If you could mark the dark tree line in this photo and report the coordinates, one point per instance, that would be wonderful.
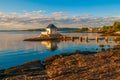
(114, 28)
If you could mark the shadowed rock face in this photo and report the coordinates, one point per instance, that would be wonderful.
(29, 71)
(100, 66)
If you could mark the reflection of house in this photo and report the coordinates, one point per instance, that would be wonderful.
(50, 30)
(51, 45)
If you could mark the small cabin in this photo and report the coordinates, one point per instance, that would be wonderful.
(51, 29)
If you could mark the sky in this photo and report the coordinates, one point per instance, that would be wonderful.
(29, 14)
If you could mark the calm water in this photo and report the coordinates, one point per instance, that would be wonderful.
(14, 51)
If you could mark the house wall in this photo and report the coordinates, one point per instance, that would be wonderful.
(49, 31)
(53, 31)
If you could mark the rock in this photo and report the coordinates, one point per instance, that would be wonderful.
(99, 66)
(28, 69)
(2, 74)
(50, 59)
(69, 66)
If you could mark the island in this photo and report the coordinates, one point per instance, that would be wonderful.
(50, 34)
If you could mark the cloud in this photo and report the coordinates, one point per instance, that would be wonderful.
(39, 11)
(58, 14)
(40, 18)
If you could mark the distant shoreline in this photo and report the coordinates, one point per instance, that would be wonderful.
(41, 29)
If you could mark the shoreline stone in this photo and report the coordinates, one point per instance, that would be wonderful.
(42, 37)
(70, 66)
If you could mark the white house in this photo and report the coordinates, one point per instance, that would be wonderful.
(51, 29)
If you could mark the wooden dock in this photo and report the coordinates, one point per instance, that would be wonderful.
(86, 38)
(72, 38)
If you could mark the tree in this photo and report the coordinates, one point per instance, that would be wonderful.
(116, 26)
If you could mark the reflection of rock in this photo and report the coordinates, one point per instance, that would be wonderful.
(102, 49)
(51, 45)
(101, 45)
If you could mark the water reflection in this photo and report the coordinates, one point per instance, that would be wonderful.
(50, 45)
(14, 51)
(90, 45)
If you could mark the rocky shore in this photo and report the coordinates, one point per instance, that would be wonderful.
(110, 34)
(69, 66)
(45, 37)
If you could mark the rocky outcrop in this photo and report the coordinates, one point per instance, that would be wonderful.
(70, 66)
(100, 66)
(42, 37)
(29, 71)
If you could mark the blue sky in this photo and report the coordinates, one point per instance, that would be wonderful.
(77, 7)
(69, 11)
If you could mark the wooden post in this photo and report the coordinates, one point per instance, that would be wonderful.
(64, 37)
(72, 38)
(115, 40)
(61, 37)
(97, 39)
(86, 39)
(106, 39)
(80, 39)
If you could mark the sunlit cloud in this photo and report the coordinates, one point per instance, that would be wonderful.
(58, 14)
(40, 19)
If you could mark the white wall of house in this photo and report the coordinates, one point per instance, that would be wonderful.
(49, 31)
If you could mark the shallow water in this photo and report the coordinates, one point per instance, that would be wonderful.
(14, 51)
